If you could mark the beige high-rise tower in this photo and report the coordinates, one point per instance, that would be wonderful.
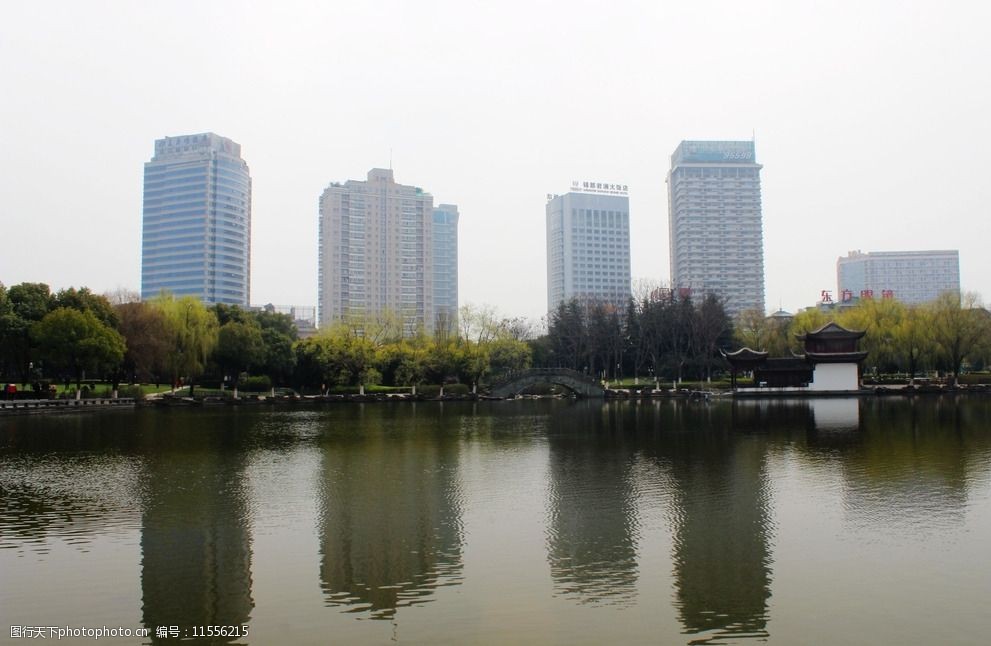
(714, 223)
(375, 254)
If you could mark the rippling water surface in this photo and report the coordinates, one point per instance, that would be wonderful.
(833, 521)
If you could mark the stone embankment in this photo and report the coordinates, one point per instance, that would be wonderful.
(30, 406)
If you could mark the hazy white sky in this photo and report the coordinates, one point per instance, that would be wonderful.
(872, 121)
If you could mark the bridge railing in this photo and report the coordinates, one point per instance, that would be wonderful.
(508, 377)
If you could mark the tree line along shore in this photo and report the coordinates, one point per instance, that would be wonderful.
(58, 343)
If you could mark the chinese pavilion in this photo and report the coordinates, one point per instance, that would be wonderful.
(831, 363)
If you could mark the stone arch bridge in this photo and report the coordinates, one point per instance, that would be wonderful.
(511, 384)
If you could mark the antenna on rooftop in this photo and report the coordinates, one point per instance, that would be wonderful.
(390, 158)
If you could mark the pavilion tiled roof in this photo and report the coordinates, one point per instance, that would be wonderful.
(833, 330)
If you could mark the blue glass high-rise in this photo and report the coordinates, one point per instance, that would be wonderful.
(445, 269)
(196, 235)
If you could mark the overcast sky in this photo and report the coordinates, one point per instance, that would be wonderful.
(872, 121)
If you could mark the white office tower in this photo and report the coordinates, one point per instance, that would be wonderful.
(588, 245)
(912, 277)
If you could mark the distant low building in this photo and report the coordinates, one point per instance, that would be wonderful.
(781, 317)
(911, 277)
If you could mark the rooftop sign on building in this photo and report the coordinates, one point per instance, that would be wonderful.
(603, 188)
(715, 152)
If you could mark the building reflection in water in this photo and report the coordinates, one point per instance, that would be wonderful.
(592, 521)
(196, 541)
(390, 527)
(835, 414)
(720, 516)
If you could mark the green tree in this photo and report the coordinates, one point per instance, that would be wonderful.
(509, 355)
(309, 368)
(479, 326)
(278, 359)
(192, 334)
(960, 326)
(281, 323)
(84, 300)
(541, 351)
(76, 342)
(567, 332)
(339, 356)
(379, 328)
(912, 338)
(31, 301)
(146, 333)
(808, 320)
(239, 346)
(711, 328)
(278, 335)
(879, 318)
(752, 330)
(605, 339)
(780, 336)
(351, 360)
(403, 363)
(444, 360)
(26, 304)
(677, 334)
(5, 306)
(6, 320)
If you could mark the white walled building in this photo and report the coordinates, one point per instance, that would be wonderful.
(910, 276)
(588, 244)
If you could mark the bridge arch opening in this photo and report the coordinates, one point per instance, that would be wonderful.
(580, 384)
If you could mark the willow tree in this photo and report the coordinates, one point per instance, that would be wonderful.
(960, 328)
(808, 320)
(880, 318)
(752, 330)
(913, 338)
(192, 334)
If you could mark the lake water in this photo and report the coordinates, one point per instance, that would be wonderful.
(828, 521)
